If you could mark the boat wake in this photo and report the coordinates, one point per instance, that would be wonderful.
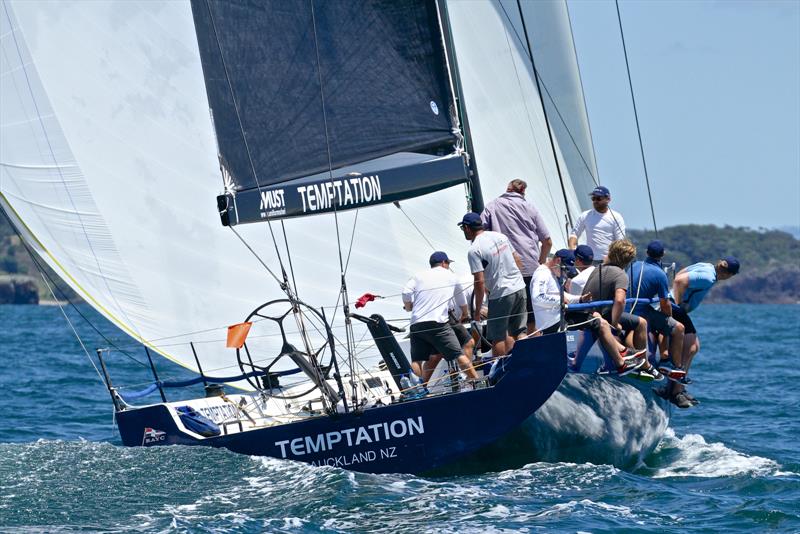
(590, 418)
(692, 456)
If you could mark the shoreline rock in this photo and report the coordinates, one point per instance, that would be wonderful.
(18, 289)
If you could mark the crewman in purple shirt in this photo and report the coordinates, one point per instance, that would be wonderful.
(511, 215)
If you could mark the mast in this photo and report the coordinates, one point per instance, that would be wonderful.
(476, 194)
(544, 111)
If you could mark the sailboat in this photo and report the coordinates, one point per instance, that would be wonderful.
(185, 167)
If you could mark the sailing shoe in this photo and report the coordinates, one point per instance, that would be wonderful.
(634, 357)
(672, 371)
(694, 401)
(681, 400)
(650, 374)
(629, 367)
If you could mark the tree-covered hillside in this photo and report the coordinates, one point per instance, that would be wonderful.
(20, 281)
(770, 262)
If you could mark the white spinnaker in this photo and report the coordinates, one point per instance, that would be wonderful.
(507, 123)
(108, 166)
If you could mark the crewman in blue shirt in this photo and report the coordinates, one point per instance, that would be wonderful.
(689, 288)
(648, 280)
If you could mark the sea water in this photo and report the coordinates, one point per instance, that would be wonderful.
(730, 464)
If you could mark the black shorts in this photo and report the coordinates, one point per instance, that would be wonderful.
(461, 333)
(528, 303)
(680, 315)
(430, 337)
(628, 321)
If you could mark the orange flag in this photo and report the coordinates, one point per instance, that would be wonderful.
(237, 334)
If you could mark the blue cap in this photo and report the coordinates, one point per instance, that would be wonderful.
(584, 253)
(655, 249)
(473, 220)
(568, 259)
(600, 191)
(733, 264)
(439, 257)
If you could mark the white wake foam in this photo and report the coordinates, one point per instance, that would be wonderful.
(698, 458)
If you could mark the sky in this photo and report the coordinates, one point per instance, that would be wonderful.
(717, 86)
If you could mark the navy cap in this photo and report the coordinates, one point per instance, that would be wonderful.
(584, 253)
(655, 249)
(568, 260)
(473, 220)
(733, 264)
(439, 257)
(600, 191)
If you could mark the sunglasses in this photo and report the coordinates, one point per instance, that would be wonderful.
(595, 199)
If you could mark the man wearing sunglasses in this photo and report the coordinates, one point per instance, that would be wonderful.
(602, 225)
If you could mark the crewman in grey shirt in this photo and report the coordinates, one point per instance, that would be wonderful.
(517, 219)
(496, 271)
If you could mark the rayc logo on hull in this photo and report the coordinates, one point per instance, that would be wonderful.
(151, 435)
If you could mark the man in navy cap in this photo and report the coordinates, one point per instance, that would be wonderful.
(689, 288)
(648, 280)
(584, 257)
(427, 296)
(495, 267)
(602, 224)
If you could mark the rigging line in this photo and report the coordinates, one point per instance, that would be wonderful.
(256, 256)
(64, 296)
(349, 331)
(400, 207)
(544, 111)
(552, 100)
(78, 337)
(75, 210)
(284, 285)
(530, 123)
(289, 256)
(636, 116)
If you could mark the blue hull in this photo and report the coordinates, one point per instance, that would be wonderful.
(409, 437)
(602, 419)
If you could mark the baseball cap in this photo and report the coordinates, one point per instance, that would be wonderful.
(567, 258)
(439, 257)
(473, 220)
(584, 253)
(733, 264)
(600, 191)
(655, 249)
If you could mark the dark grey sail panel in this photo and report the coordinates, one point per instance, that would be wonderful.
(376, 68)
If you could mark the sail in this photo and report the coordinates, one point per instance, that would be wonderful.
(550, 34)
(509, 129)
(108, 167)
(300, 87)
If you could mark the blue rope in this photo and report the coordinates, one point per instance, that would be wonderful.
(602, 303)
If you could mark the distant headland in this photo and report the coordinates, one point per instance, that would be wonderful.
(770, 263)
